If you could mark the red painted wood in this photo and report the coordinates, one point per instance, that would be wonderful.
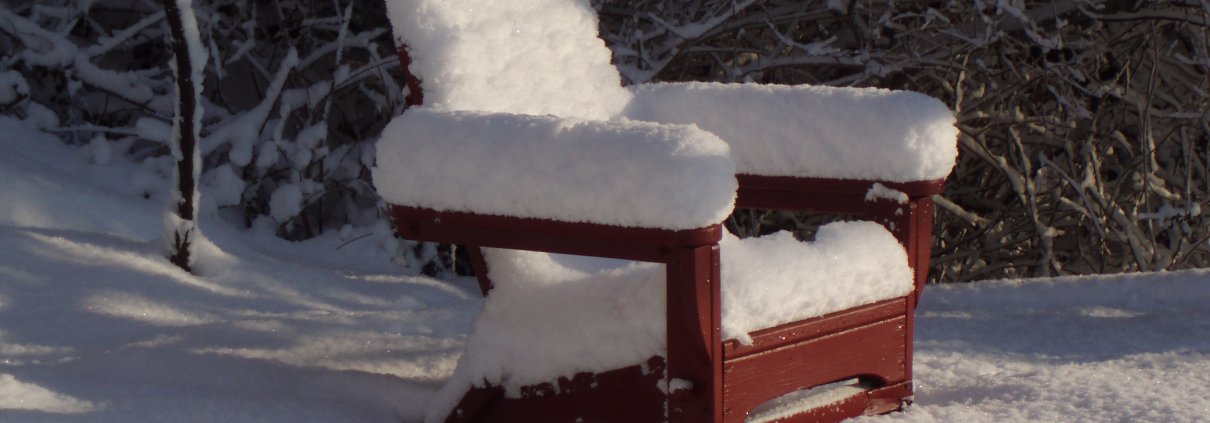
(911, 224)
(820, 195)
(890, 398)
(630, 394)
(694, 322)
(917, 239)
(479, 266)
(476, 404)
(832, 413)
(878, 401)
(874, 352)
(415, 95)
(588, 239)
(923, 225)
(794, 332)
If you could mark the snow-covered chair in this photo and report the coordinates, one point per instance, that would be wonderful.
(607, 296)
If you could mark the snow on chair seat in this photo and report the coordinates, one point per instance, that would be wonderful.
(775, 279)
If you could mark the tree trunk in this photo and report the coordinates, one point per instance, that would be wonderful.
(182, 226)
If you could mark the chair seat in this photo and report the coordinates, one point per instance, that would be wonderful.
(554, 315)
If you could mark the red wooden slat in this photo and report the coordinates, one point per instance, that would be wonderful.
(832, 413)
(589, 239)
(821, 195)
(791, 333)
(875, 352)
(878, 401)
(890, 398)
(629, 394)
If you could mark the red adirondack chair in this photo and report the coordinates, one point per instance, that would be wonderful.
(595, 181)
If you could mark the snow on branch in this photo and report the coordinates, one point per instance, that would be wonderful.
(97, 73)
(1081, 121)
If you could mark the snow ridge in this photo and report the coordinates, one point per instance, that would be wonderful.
(631, 174)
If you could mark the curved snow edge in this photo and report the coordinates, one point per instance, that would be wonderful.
(630, 174)
(809, 131)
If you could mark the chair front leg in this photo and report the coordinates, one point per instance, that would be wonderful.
(694, 379)
(911, 223)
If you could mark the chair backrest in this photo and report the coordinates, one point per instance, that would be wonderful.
(517, 56)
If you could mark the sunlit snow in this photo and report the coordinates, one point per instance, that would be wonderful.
(96, 326)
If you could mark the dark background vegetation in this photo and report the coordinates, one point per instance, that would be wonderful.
(1085, 141)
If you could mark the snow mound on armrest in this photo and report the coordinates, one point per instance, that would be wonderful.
(522, 56)
(631, 174)
(806, 131)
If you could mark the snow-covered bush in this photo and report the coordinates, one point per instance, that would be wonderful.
(295, 94)
(1083, 147)
(1084, 131)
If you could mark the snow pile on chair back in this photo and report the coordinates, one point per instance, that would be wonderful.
(550, 316)
(805, 131)
(517, 56)
(633, 174)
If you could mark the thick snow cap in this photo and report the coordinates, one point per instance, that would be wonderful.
(624, 173)
(517, 56)
(807, 131)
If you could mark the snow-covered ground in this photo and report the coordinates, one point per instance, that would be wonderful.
(96, 326)
(1110, 349)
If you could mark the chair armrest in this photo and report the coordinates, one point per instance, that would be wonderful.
(518, 233)
(822, 195)
(815, 132)
(625, 174)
